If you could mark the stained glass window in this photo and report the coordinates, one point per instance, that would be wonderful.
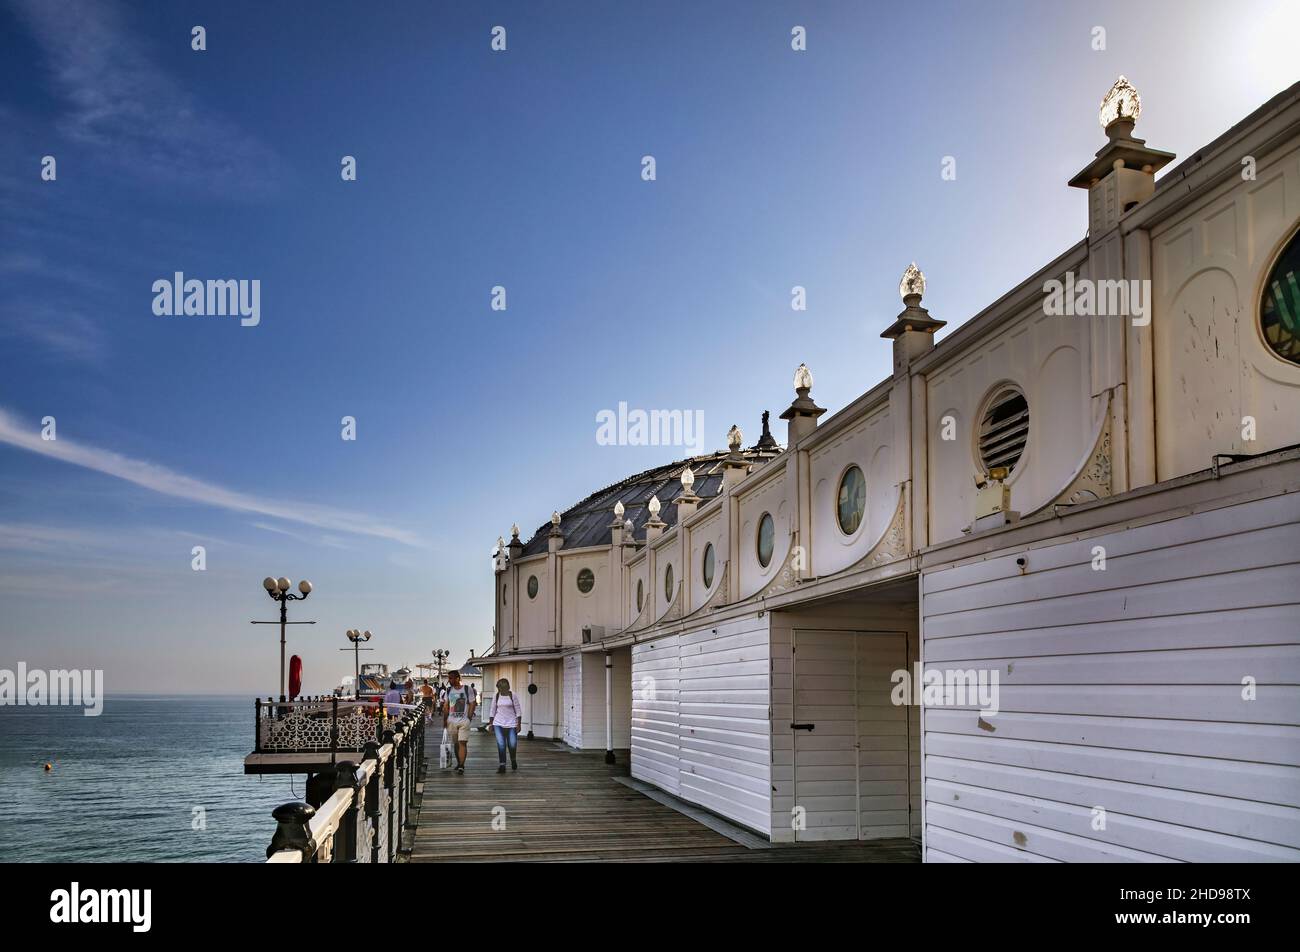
(852, 500)
(1279, 310)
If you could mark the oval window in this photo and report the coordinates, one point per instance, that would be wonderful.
(532, 586)
(640, 596)
(668, 584)
(852, 501)
(708, 565)
(586, 581)
(766, 539)
(1279, 309)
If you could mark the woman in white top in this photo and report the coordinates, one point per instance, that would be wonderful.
(506, 716)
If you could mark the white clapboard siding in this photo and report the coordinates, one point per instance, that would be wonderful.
(571, 700)
(1122, 732)
(724, 731)
(656, 755)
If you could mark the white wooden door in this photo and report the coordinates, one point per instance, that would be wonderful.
(825, 735)
(884, 805)
(572, 700)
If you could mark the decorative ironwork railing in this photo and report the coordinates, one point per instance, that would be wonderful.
(317, 725)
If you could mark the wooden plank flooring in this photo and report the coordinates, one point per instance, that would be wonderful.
(564, 806)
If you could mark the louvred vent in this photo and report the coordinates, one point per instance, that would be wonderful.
(1004, 429)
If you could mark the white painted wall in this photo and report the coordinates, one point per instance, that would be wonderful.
(1212, 366)
(593, 699)
(1122, 689)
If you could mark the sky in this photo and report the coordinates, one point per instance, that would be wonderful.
(476, 169)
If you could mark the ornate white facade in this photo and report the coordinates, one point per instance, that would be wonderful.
(1152, 681)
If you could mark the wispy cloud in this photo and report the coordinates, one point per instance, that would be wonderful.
(132, 111)
(168, 482)
(62, 332)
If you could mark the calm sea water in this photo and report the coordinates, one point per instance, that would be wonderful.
(125, 784)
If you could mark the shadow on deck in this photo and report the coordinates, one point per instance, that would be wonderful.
(566, 806)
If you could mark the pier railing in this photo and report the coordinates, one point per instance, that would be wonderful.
(357, 811)
(312, 725)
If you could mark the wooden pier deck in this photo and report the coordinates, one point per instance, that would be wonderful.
(566, 806)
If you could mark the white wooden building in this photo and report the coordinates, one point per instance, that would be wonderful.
(1125, 583)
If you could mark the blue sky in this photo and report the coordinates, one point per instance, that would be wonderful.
(476, 169)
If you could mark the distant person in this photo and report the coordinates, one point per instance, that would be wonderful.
(393, 695)
(456, 717)
(505, 719)
(410, 692)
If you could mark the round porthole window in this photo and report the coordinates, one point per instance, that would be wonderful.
(851, 502)
(586, 581)
(707, 566)
(668, 584)
(532, 586)
(640, 596)
(766, 539)
(1279, 308)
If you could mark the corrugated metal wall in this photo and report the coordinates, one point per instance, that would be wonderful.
(1123, 732)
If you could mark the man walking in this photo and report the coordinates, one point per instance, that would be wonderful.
(456, 716)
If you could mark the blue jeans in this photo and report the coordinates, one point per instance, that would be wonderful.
(506, 735)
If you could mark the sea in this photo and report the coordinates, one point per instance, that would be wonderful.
(151, 779)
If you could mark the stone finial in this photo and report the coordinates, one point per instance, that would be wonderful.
(618, 510)
(555, 519)
(688, 480)
(914, 317)
(514, 531)
(1121, 104)
(803, 380)
(801, 416)
(654, 506)
(734, 466)
(627, 527)
(555, 535)
(911, 285)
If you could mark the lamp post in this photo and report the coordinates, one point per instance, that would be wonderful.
(278, 589)
(357, 637)
(440, 658)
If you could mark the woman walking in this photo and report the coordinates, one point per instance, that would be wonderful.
(505, 718)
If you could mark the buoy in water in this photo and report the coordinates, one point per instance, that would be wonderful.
(49, 767)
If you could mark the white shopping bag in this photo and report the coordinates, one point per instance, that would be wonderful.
(444, 751)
